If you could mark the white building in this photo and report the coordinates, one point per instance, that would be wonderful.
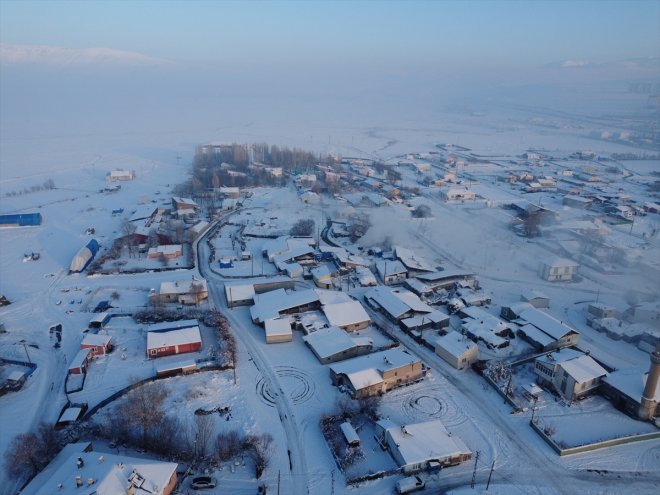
(457, 350)
(570, 373)
(422, 446)
(558, 269)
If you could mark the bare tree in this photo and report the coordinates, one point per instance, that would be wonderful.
(129, 229)
(25, 456)
(369, 405)
(144, 409)
(260, 450)
(204, 427)
(228, 445)
(197, 291)
(304, 227)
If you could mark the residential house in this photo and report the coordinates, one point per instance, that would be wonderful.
(457, 350)
(78, 470)
(349, 315)
(546, 332)
(558, 269)
(391, 271)
(175, 341)
(570, 373)
(333, 344)
(122, 175)
(98, 344)
(375, 374)
(426, 446)
(278, 330)
(184, 291)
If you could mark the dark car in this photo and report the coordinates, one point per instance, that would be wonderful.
(202, 482)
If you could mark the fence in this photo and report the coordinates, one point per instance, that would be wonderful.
(592, 446)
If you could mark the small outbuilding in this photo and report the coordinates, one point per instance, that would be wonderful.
(278, 330)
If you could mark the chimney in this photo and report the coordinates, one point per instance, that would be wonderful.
(648, 403)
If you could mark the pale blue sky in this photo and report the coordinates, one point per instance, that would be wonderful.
(345, 34)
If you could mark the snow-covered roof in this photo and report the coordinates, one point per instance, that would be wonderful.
(80, 357)
(181, 336)
(199, 226)
(421, 442)
(484, 332)
(631, 382)
(96, 339)
(412, 300)
(181, 286)
(492, 321)
(372, 365)
(99, 318)
(239, 292)
(386, 299)
(560, 263)
(413, 261)
(172, 325)
(390, 267)
(110, 473)
(583, 369)
(546, 323)
(327, 342)
(536, 335)
(349, 432)
(184, 201)
(556, 358)
(345, 313)
(270, 304)
(277, 327)
(323, 272)
(455, 344)
(70, 414)
(294, 252)
(444, 275)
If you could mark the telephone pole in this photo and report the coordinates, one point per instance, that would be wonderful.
(474, 473)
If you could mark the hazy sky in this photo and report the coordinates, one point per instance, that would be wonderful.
(197, 69)
(344, 34)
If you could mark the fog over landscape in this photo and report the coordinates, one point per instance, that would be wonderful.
(326, 247)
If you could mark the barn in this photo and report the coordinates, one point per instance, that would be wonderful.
(79, 364)
(20, 220)
(85, 256)
(178, 341)
(98, 344)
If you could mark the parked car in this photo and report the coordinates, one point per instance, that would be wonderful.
(410, 484)
(203, 482)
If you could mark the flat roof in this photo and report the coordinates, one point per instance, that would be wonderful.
(278, 326)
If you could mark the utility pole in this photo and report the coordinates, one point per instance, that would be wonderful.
(332, 486)
(26, 353)
(474, 473)
(278, 481)
(490, 474)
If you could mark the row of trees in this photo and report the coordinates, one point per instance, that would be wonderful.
(207, 171)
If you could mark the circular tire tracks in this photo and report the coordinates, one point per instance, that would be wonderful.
(299, 386)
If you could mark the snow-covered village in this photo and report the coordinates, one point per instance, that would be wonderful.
(461, 301)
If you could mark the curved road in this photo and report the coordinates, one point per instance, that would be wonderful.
(297, 458)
